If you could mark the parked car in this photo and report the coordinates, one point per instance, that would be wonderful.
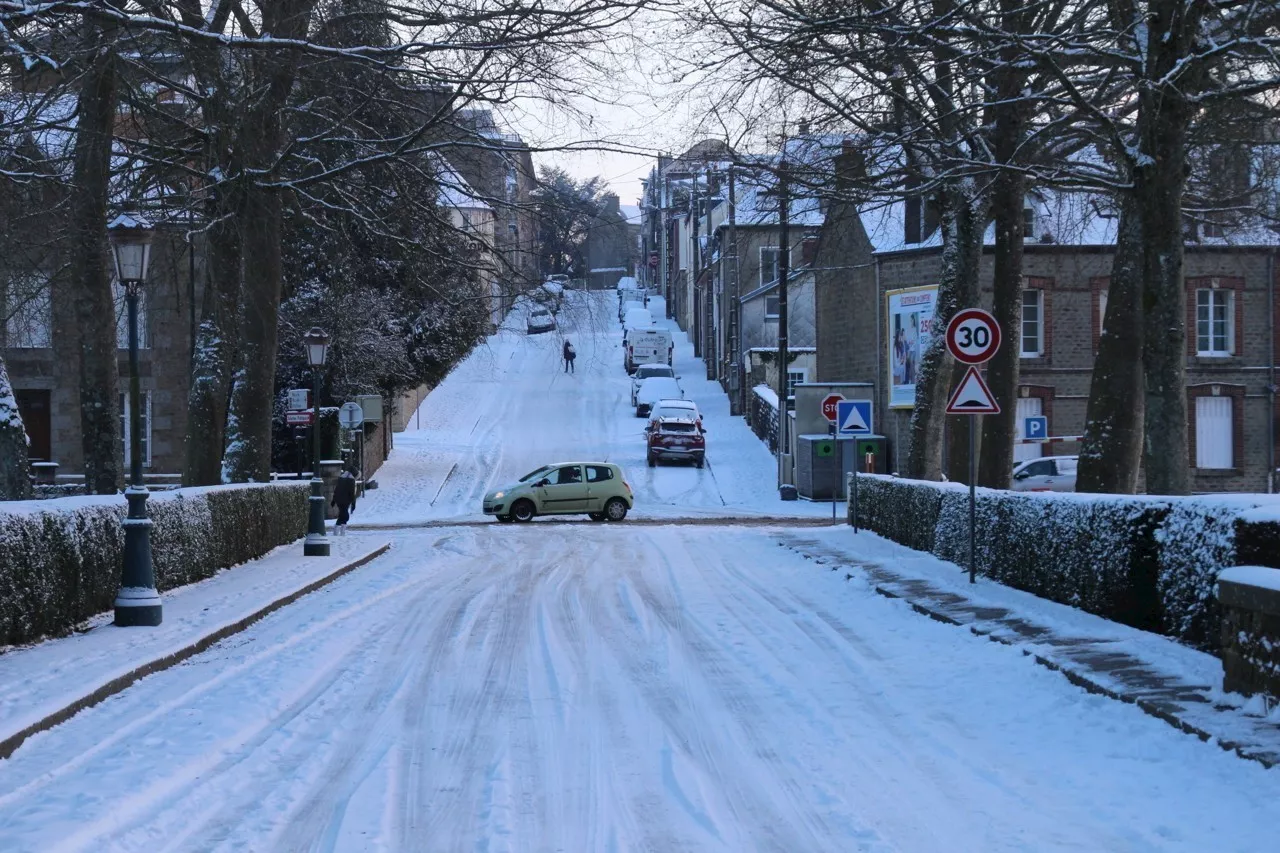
(633, 315)
(656, 388)
(645, 371)
(676, 408)
(540, 320)
(599, 489)
(681, 438)
(1046, 474)
(646, 346)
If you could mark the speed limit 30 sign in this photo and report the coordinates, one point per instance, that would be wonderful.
(973, 336)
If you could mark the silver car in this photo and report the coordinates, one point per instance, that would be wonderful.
(1046, 474)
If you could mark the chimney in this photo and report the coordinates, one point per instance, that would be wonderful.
(803, 129)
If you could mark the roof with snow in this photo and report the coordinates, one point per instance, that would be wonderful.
(455, 192)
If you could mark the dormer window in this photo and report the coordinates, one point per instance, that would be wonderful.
(1029, 222)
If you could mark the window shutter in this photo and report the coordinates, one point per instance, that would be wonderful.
(1214, 434)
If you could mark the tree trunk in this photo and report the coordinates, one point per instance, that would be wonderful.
(248, 454)
(15, 466)
(260, 138)
(1008, 198)
(1111, 454)
(216, 357)
(957, 288)
(89, 279)
(1164, 117)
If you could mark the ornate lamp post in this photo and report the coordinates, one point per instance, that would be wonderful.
(138, 602)
(316, 343)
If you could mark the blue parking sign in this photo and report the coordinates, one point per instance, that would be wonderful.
(1035, 428)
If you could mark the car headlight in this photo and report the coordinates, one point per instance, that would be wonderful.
(498, 495)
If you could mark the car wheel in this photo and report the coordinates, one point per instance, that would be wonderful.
(615, 509)
(596, 516)
(653, 461)
(523, 511)
(698, 462)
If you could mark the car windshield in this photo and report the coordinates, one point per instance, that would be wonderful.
(527, 477)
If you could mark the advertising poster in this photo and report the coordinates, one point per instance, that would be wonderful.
(910, 314)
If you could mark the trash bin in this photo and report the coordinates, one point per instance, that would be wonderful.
(787, 492)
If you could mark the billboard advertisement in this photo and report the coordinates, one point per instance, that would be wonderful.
(910, 317)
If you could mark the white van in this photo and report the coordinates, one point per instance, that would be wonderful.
(646, 346)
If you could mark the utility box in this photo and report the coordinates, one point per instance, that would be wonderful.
(819, 460)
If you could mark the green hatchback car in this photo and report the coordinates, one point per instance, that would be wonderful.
(598, 489)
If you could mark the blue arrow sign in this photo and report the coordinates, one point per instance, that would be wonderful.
(1035, 428)
(853, 417)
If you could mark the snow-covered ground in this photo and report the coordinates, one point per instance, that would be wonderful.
(613, 688)
(510, 407)
(587, 687)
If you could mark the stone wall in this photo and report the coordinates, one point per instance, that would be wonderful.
(1250, 601)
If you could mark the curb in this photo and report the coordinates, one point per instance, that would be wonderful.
(674, 521)
(1088, 684)
(117, 685)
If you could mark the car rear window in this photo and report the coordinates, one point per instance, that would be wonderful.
(676, 427)
(598, 473)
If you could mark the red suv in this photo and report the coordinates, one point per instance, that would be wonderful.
(676, 438)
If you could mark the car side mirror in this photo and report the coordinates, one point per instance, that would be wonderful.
(543, 482)
(1021, 475)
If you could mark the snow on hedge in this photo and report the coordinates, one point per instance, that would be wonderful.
(60, 560)
(1146, 561)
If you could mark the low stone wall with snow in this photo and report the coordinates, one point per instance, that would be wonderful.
(762, 416)
(60, 560)
(1250, 600)
(1149, 562)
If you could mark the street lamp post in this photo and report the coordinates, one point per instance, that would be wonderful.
(137, 602)
(316, 343)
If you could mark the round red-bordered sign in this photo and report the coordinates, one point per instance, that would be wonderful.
(973, 336)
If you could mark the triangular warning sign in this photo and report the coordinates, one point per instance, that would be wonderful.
(972, 396)
(854, 421)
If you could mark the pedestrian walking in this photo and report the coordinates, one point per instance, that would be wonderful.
(344, 498)
(569, 356)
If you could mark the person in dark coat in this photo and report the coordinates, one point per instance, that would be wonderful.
(344, 498)
(569, 356)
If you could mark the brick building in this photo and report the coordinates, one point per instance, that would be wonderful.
(870, 259)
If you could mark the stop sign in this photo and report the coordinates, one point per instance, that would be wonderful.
(829, 404)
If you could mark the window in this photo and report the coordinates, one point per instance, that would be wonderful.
(794, 378)
(1032, 323)
(598, 474)
(1214, 435)
(146, 429)
(1029, 222)
(1102, 312)
(1215, 321)
(768, 264)
(466, 221)
(1028, 407)
(29, 312)
(771, 307)
(568, 475)
(122, 317)
(1044, 468)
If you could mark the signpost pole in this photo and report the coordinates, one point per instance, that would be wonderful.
(853, 478)
(973, 497)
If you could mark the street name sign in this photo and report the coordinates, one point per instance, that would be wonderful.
(300, 418)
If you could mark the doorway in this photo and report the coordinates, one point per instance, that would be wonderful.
(34, 408)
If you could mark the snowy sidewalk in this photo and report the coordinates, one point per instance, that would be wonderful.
(1168, 680)
(48, 683)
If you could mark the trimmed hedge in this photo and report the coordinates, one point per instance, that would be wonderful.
(60, 560)
(1149, 562)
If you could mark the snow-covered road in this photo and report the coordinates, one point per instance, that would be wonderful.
(510, 408)
(585, 687)
(582, 688)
